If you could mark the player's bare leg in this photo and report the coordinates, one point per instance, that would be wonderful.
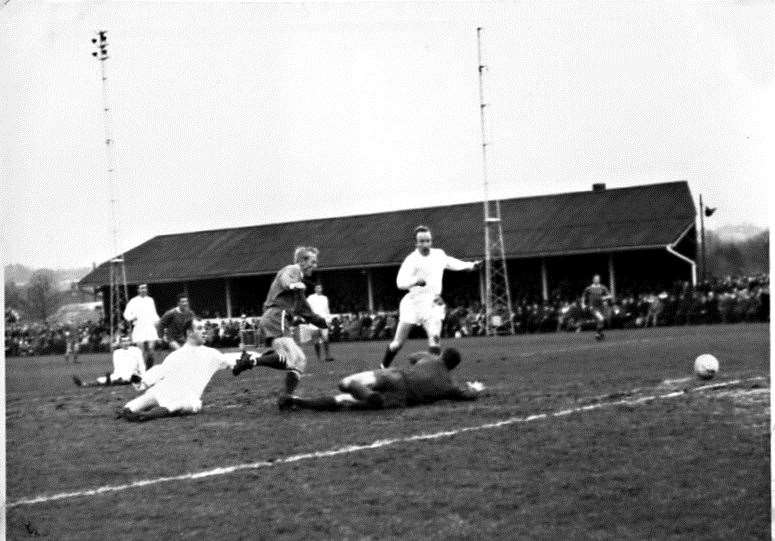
(433, 330)
(324, 342)
(357, 392)
(600, 323)
(361, 387)
(286, 355)
(148, 357)
(402, 332)
(318, 340)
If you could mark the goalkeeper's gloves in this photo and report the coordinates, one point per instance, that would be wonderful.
(476, 386)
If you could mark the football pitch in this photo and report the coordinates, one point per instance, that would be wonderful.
(574, 439)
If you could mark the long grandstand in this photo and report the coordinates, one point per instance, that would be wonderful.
(634, 237)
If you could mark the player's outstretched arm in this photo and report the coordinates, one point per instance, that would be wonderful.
(455, 264)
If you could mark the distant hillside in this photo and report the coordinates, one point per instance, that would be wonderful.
(737, 232)
(17, 273)
(21, 274)
(738, 257)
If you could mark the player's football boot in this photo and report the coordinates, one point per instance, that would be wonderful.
(243, 363)
(126, 413)
(375, 400)
(285, 402)
(78, 381)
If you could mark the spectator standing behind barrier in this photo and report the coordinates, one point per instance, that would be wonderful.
(172, 324)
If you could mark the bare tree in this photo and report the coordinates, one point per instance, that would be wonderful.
(42, 295)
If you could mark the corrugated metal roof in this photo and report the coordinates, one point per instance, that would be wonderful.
(613, 219)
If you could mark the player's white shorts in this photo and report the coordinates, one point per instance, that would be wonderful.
(420, 309)
(144, 333)
(175, 401)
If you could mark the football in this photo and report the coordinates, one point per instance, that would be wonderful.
(706, 366)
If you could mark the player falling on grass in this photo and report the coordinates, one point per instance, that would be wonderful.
(425, 381)
(141, 312)
(128, 367)
(319, 304)
(421, 274)
(595, 296)
(175, 386)
(285, 306)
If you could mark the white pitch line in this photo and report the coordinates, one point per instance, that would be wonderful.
(356, 448)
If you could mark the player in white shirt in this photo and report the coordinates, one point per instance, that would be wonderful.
(141, 312)
(128, 367)
(175, 387)
(421, 274)
(319, 304)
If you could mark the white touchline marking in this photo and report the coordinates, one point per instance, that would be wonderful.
(355, 448)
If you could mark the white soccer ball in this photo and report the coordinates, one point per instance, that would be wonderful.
(458, 334)
(706, 366)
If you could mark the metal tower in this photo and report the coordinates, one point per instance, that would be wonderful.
(119, 294)
(498, 308)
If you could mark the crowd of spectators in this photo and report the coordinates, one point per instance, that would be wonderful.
(744, 299)
(731, 300)
(26, 339)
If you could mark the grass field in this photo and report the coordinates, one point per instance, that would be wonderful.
(689, 465)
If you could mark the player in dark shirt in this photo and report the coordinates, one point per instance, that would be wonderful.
(595, 296)
(174, 322)
(285, 306)
(425, 381)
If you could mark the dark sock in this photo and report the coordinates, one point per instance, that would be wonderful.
(107, 379)
(325, 347)
(389, 356)
(317, 350)
(156, 413)
(291, 381)
(321, 403)
(272, 360)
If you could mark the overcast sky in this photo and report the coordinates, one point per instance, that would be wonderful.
(234, 114)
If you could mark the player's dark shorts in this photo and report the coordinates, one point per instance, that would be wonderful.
(275, 322)
(392, 386)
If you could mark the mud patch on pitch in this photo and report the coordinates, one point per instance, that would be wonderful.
(751, 407)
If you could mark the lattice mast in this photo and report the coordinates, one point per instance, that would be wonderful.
(119, 294)
(498, 308)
